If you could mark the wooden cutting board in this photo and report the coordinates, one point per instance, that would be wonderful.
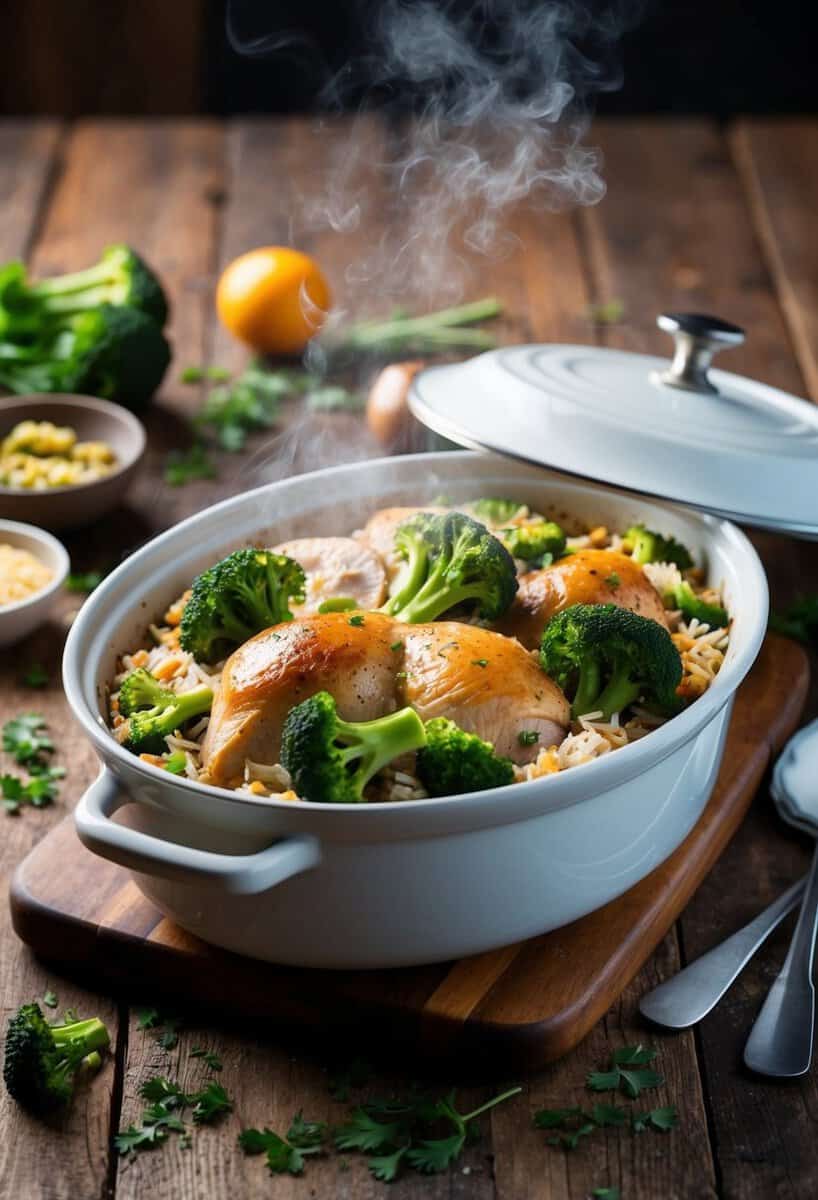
(518, 1007)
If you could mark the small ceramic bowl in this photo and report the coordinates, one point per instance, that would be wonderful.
(21, 618)
(93, 420)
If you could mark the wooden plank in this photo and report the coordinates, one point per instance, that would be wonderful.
(675, 232)
(778, 164)
(33, 1160)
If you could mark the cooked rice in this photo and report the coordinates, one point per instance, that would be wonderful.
(701, 648)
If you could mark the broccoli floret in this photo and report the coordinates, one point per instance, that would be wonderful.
(153, 712)
(117, 353)
(683, 597)
(495, 511)
(450, 559)
(608, 657)
(41, 1059)
(330, 761)
(246, 592)
(120, 278)
(453, 761)
(539, 541)
(648, 547)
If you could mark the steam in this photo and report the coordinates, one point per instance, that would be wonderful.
(499, 95)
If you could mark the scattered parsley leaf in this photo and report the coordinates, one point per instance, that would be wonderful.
(633, 1082)
(627, 1071)
(528, 737)
(396, 646)
(50, 998)
(25, 737)
(144, 1137)
(251, 401)
(183, 466)
(147, 1018)
(479, 662)
(385, 1167)
(606, 1193)
(553, 1118)
(83, 581)
(799, 621)
(613, 581)
(358, 619)
(160, 1090)
(169, 1038)
(304, 1134)
(609, 1114)
(210, 1103)
(431, 1157)
(35, 676)
(363, 1132)
(39, 791)
(209, 1058)
(633, 1056)
(662, 1119)
(284, 1156)
(603, 1081)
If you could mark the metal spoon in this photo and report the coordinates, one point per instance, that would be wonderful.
(691, 994)
(780, 1043)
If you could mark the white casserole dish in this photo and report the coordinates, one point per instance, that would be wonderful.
(397, 884)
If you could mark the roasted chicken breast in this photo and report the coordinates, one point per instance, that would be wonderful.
(337, 566)
(586, 577)
(488, 684)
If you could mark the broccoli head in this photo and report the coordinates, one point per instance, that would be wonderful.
(453, 761)
(683, 597)
(120, 278)
(238, 597)
(330, 761)
(495, 511)
(652, 547)
(153, 711)
(41, 1060)
(450, 559)
(608, 657)
(538, 541)
(117, 353)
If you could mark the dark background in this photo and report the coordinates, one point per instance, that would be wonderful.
(73, 57)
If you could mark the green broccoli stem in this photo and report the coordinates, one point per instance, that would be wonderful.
(81, 1038)
(439, 328)
(378, 742)
(191, 704)
(590, 682)
(70, 303)
(101, 274)
(410, 577)
(616, 695)
(435, 598)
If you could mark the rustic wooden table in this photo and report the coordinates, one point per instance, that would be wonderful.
(695, 218)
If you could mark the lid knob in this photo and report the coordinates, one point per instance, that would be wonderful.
(698, 337)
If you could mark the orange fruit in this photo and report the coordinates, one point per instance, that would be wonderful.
(274, 299)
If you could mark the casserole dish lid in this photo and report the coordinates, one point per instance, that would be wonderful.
(673, 429)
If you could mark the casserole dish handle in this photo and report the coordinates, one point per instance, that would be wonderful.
(241, 874)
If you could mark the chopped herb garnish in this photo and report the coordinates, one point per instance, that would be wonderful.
(396, 646)
(36, 676)
(147, 1018)
(183, 466)
(628, 1071)
(50, 998)
(613, 581)
(167, 1102)
(83, 581)
(479, 662)
(358, 619)
(286, 1155)
(26, 738)
(662, 1119)
(528, 737)
(208, 1057)
(799, 621)
(39, 791)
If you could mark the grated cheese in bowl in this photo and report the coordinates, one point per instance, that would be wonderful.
(22, 574)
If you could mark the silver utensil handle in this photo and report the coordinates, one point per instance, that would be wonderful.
(695, 990)
(780, 1043)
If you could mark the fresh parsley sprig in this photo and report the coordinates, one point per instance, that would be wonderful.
(26, 738)
(167, 1102)
(799, 621)
(39, 791)
(286, 1155)
(627, 1071)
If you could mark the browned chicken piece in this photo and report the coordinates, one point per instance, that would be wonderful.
(587, 577)
(337, 566)
(486, 683)
(379, 533)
